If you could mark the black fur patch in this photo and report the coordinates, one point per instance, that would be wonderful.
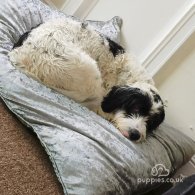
(115, 48)
(157, 97)
(131, 100)
(23, 38)
(155, 120)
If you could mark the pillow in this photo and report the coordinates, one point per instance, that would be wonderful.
(109, 28)
(88, 153)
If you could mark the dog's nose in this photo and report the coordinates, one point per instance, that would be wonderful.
(134, 135)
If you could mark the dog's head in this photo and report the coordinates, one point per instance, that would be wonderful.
(136, 110)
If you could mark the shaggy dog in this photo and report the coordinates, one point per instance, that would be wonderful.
(74, 59)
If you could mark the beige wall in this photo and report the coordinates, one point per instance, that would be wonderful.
(176, 82)
(144, 22)
(57, 3)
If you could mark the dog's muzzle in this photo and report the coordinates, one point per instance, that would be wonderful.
(133, 134)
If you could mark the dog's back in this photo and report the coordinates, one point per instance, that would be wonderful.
(65, 55)
(55, 54)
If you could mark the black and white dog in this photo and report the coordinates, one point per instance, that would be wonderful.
(74, 59)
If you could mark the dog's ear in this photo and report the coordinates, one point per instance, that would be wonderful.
(113, 100)
(120, 97)
(155, 119)
(129, 99)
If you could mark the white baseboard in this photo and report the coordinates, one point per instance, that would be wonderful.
(156, 58)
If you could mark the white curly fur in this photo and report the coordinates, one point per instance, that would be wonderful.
(76, 61)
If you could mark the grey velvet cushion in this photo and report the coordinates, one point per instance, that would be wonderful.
(89, 155)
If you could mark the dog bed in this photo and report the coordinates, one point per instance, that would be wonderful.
(89, 155)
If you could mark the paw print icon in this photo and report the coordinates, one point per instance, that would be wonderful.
(160, 170)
